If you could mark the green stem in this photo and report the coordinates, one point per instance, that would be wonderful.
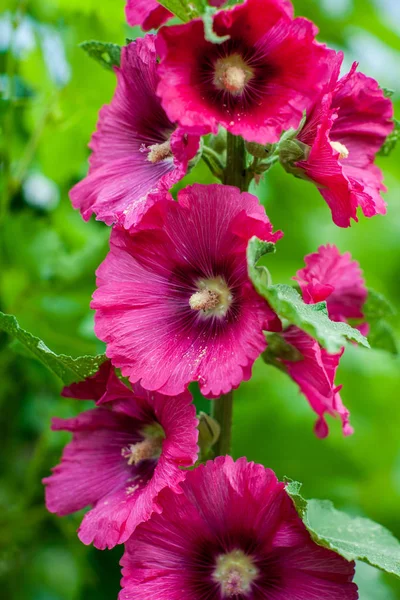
(222, 413)
(235, 174)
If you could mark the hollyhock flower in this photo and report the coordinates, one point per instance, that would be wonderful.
(174, 302)
(122, 454)
(232, 533)
(344, 131)
(255, 84)
(336, 278)
(137, 150)
(315, 374)
(149, 14)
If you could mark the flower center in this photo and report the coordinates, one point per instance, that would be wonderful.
(213, 297)
(235, 573)
(231, 74)
(341, 148)
(150, 447)
(158, 152)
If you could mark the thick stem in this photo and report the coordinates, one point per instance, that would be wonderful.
(222, 413)
(235, 174)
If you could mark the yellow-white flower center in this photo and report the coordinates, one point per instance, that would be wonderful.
(341, 148)
(149, 448)
(213, 297)
(158, 152)
(231, 74)
(235, 573)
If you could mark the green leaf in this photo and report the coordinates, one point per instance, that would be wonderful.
(377, 309)
(377, 306)
(288, 304)
(107, 54)
(354, 538)
(391, 140)
(185, 9)
(382, 337)
(68, 369)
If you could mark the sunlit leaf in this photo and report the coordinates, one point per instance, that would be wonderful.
(354, 538)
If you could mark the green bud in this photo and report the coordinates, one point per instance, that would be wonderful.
(209, 432)
(258, 150)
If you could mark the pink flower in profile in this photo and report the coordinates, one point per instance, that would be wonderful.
(137, 150)
(149, 14)
(233, 532)
(255, 84)
(315, 374)
(336, 278)
(122, 454)
(174, 302)
(345, 130)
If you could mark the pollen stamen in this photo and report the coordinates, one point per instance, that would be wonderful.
(204, 300)
(341, 148)
(235, 573)
(149, 448)
(231, 74)
(159, 152)
(212, 298)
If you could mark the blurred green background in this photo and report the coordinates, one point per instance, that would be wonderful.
(48, 256)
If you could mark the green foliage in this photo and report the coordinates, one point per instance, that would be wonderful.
(108, 55)
(288, 304)
(354, 538)
(376, 311)
(68, 369)
(184, 9)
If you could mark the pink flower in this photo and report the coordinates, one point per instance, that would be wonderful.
(345, 130)
(315, 374)
(232, 533)
(122, 454)
(149, 14)
(174, 302)
(336, 278)
(255, 84)
(137, 150)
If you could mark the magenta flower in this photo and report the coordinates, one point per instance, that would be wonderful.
(315, 374)
(174, 302)
(232, 533)
(137, 150)
(345, 130)
(122, 454)
(255, 84)
(336, 278)
(149, 14)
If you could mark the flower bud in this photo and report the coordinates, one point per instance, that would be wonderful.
(209, 432)
(258, 150)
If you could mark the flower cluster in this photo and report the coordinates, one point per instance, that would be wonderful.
(175, 304)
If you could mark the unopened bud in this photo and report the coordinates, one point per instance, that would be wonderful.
(209, 432)
(291, 151)
(258, 150)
